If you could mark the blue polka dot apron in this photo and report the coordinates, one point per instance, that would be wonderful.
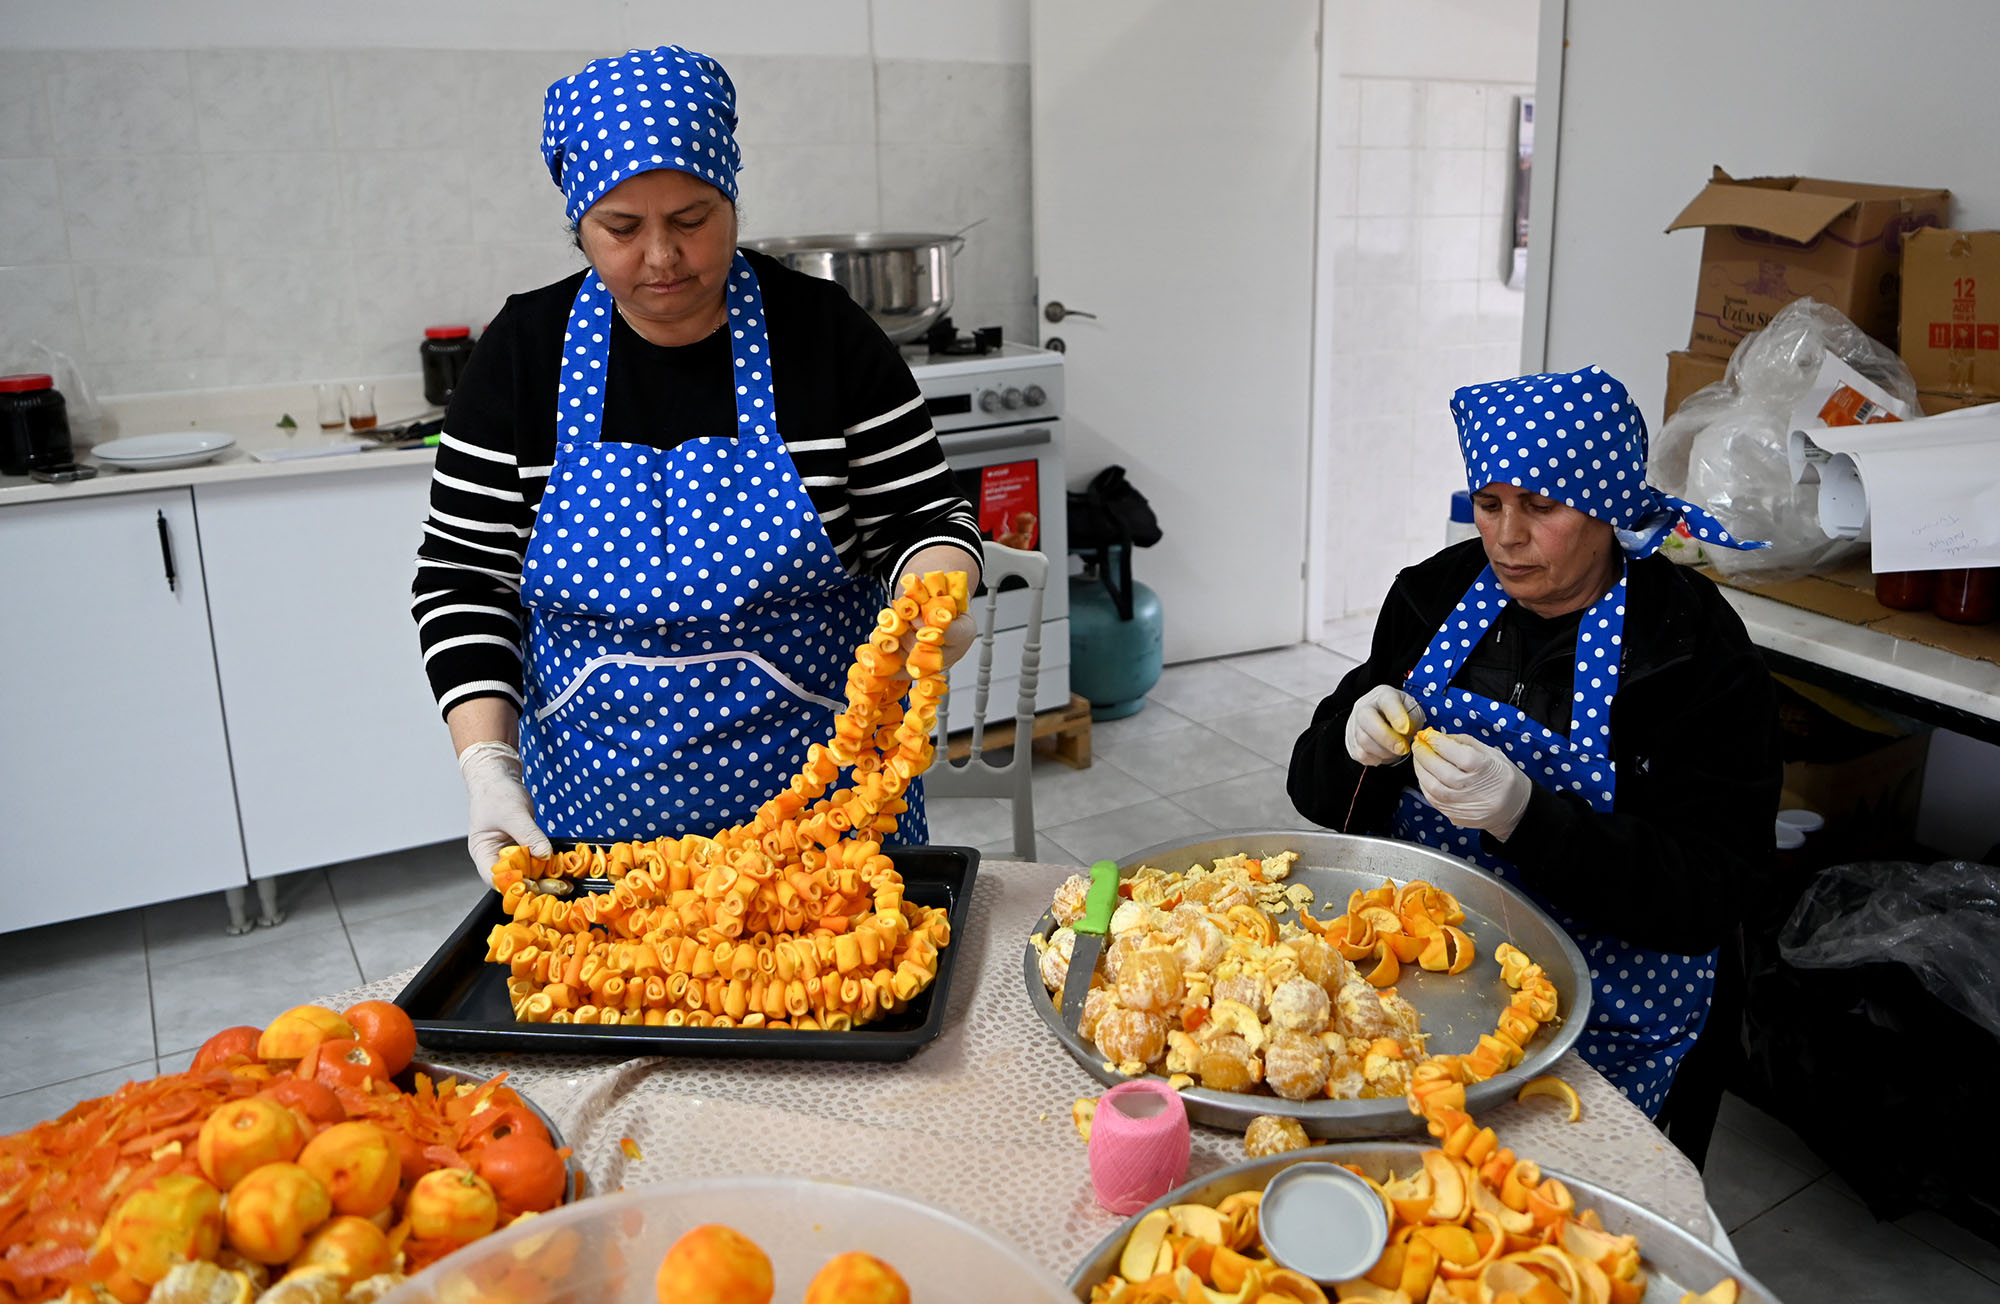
(1647, 1006)
(690, 626)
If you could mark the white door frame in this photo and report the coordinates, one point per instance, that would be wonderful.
(1542, 184)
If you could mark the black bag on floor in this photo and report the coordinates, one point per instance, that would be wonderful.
(1107, 519)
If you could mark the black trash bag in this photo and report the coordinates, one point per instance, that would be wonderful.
(1888, 1083)
(1107, 519)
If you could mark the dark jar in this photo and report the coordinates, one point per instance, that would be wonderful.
(1906, 590)
(34, 424)
(1968, 597)
(445, 350)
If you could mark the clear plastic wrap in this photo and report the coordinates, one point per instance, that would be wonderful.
(1725, 447)
(1941, 921)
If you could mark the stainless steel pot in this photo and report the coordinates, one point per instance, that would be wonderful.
(902, 280)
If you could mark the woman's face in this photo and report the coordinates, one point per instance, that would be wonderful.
(663, 241)
(1551, 558)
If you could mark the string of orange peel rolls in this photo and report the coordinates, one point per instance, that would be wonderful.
(793, 919)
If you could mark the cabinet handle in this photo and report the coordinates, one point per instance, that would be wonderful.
(167, 551)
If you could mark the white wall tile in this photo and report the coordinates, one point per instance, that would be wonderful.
(402, 99)
(156, 311)
(1391, 114)
(290, 201)
(517, 268)
(964, 103)
(1385, 250)
(255, 100)
(399, 198)
(1387, 183)
(1496, 181)
(1340, 186)
(803, 101)
(809, 190)
(289, 368)
(1500, 114)
(398, 292)
(161, 377)
(1386, 316)
(1347, 113)
(1448, 248)
(1449, 181)
(138, 207)
(503, 98)
(1448, 315)
(1454, 115)
(1500, 312)
(121, 102)
(512, 198)
(24, 106)
(295, 304)
(40, 305)
(31, 215)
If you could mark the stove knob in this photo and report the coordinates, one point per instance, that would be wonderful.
(1011, 399)
(989, 401)
(1035, 395)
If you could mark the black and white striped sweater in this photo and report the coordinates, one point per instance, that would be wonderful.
(848, 408)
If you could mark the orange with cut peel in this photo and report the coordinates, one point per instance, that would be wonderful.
(353, 1248)
(230, 1041)
(272, 1211)
(298, 1030)
(244, 1135)
(358, 1165)
(385, 1028)
(170, 1220)
(714, 1264)
(310, 1100)
(1554, 1087)
(453, 1205)
(857, 1278)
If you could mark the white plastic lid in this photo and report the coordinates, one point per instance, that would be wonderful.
(1805, 821)
(1321, 1220)
(1789, 838)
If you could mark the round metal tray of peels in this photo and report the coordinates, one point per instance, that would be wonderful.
(572, 1188)
(1456, 1008)
(1674, 1261)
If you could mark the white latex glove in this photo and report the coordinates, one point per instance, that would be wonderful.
(1380, 726)
(1471, 783)
(501, 814)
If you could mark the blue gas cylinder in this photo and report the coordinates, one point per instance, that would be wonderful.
(1115, 646)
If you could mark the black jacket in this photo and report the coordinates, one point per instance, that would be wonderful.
(1694, 733)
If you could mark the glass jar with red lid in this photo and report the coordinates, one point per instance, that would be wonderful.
(34, 424)
(445, 351)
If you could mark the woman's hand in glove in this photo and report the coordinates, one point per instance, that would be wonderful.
(501, 813)
(1472, 784)
(1381, 724)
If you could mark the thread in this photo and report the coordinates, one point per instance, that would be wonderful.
(1138, 1145)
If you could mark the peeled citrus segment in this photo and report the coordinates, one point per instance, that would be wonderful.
(1550, 1085)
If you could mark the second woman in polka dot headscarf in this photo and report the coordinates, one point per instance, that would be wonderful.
(671, 492)
(1608, 733)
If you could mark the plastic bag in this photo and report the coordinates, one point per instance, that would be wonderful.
(1725, 447)
(87, 424)
(1942, 921)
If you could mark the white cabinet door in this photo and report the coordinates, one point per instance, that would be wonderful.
(339, 749)
(114, 772)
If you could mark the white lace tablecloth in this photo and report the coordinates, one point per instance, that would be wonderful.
(978, 1123)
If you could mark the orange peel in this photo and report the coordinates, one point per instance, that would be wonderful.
(1556, 1089)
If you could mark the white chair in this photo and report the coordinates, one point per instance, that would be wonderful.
(976, 776)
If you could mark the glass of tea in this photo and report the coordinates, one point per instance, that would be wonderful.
(361, 405)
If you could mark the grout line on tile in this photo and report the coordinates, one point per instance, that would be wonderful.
(152, 1009)
(1805, 1186)
(109, 1068)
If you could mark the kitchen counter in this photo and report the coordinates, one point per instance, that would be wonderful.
(250, 416)
(978, 1123)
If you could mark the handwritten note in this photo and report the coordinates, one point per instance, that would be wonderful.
(1924, 493)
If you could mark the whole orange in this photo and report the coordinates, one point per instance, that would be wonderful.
(524, 1171)
(451, 1204)
(298, 1030)
(353, 1247)
(272, 1211)
(714, 1264)
(358, 1165)
(230, 1041)
(312, 1101)
(346, 1062)
(857, 1278)
(384, 1026)
(168, 1220)
(246, 1134)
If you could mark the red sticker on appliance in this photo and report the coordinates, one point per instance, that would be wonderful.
(1009, 498)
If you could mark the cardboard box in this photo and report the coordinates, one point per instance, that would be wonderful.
(1771, 240)
(1951, 313)
(1848, 594)
(1933, 402)
(1688, 372)
(1870, 801)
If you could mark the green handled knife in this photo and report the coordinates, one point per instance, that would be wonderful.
(1091, 930)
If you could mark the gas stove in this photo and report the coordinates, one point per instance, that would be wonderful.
(1005, 383)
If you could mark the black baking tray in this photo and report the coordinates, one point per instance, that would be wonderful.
(459, 1002)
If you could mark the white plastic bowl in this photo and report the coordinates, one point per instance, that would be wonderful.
(620, 1240)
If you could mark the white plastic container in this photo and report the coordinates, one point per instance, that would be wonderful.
(607, 1249)
(1458, 527)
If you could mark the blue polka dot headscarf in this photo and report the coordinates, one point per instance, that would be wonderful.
(641, 110)
(1576, 437)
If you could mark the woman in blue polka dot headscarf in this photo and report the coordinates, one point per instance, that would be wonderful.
(1606, 735)
(671, 494)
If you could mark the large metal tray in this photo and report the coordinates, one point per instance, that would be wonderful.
(459, 1002)
(1456, 1009)
(1675, 1262)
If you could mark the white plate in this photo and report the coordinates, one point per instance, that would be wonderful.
(160, 452)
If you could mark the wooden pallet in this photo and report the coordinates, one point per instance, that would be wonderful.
(1062, 732)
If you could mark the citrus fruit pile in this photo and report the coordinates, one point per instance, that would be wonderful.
(283, 1166)
(793, 919)
(714, 1264)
